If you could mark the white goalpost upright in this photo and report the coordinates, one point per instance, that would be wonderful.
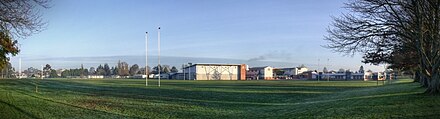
(158, 55)
(146, 58)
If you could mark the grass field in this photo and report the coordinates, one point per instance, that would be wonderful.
(111, 98)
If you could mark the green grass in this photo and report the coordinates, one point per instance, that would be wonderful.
(111, 98)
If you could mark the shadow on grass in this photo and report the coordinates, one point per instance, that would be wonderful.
(19, 109)
(243, 95)
(74, 106)
(189, 94)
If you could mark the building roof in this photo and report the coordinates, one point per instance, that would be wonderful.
(213, 64)
(259, 67)
(217, 64)
(287, 68)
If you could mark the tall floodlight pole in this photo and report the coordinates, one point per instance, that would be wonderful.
(158, 55)
(146, 58)
(19, 68)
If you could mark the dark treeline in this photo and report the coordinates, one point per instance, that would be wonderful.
(121, 69)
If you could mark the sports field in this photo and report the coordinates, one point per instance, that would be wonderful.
(129, 98)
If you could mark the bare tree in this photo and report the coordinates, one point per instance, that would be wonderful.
(123, 69)
(382, 28)
(18, 19)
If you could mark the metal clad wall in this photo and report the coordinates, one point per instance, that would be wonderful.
(217, 72)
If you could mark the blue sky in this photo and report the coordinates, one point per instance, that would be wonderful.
(270, 30)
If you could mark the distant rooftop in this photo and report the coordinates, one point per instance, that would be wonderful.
(214, 64)
(259, 67)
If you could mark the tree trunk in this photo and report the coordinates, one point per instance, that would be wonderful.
(416, 76)
(424, 82)
(434, 85)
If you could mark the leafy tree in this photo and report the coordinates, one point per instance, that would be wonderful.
(156, 69)
(142, 70)
(361, 69)
(30, 71)
(74, 72)
(163, 69)
(166, 69)
(341, 70)
(406, 60)
(85, 72)
(174, 69)
(92, 71)
(115, 71)
(18, 19)
(100, 70)
(112, 71)
(65, 73)
(82, 71)
(53, 74)
(46, 69)
(134, 69)
(325, 70)
(107, 70)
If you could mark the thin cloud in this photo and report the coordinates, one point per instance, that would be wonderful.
(274, 55)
